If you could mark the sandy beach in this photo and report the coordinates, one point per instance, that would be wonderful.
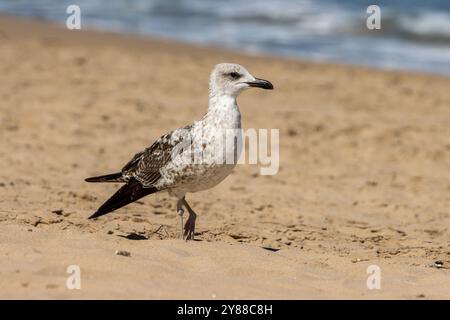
(364, 175)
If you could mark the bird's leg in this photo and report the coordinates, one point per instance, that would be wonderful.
(189, 227)
(180, 212)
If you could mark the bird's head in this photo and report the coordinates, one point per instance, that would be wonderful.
(231, 79)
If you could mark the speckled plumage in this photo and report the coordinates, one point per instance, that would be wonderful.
(191, 158)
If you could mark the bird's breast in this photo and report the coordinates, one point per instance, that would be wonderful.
(213, 150)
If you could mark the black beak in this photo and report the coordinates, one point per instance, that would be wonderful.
(260, 83)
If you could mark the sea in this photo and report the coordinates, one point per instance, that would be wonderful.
(414, 35)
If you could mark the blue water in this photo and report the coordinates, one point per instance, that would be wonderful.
(415, 35)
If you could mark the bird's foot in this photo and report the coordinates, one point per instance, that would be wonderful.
(189, 228)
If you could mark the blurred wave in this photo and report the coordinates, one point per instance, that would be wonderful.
(415, 34)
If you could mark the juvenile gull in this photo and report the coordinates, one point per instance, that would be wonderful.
(167, 165)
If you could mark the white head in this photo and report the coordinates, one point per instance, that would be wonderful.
(231, 79)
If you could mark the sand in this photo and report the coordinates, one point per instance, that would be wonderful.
(364, 175)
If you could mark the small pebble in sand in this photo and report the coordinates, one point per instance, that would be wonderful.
(123, 253)
(359, 260)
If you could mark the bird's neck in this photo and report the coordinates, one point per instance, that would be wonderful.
(225, 110)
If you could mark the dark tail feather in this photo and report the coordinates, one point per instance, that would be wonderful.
(129, 193)
(113, 177)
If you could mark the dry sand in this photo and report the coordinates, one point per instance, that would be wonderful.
(364, 178)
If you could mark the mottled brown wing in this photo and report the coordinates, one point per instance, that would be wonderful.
(145, 166)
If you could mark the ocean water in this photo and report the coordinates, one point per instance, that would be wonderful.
(414, 35)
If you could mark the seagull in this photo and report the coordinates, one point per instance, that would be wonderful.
(172, 163)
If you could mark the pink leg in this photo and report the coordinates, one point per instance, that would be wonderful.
(189, 227)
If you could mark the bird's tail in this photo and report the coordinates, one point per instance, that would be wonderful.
(113, 177)
(128, 193)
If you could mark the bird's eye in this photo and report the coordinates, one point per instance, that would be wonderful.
(234, 75)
